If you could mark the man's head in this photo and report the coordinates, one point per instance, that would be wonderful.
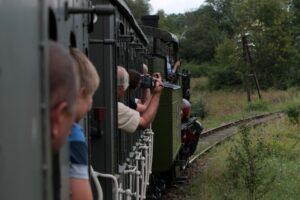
(122, 81)
(89, 82)
(134, 79)
(64, 89)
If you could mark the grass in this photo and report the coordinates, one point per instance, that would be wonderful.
(282, 137)
(284, 140)
(224, 106)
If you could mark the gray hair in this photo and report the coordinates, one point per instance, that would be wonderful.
(123, 77)
(145, 69)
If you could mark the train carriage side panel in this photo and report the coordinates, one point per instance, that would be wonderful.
(24, 140)
(167, 129)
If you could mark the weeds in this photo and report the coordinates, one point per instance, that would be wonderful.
(200, 109)
(293, 112)
(257, 106)
(248, 166)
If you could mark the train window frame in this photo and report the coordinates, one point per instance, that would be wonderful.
(72, 39)
(52, 25)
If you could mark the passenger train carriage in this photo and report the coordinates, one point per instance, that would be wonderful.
(121, 163)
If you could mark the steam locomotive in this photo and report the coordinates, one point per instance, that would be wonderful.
(123, 166)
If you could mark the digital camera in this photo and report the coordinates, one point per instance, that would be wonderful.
(148, 82)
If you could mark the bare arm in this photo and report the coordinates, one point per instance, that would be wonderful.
(150, 113)
(176, 66)
(144, 102)
(80, 189)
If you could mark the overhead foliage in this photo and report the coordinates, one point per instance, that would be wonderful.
(139, 8)
(202, 37)
(174, 23)
(212, 34)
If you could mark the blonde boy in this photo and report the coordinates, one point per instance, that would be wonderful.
(89, 82)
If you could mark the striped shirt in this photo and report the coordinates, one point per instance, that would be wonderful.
(78, 153)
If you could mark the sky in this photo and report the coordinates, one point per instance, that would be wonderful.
(175, 6)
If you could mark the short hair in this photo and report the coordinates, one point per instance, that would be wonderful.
(145, 69)
(63, 77)
(89, 78)
(123, 77)
(134, 78)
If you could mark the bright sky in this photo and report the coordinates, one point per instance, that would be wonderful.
(175, 6)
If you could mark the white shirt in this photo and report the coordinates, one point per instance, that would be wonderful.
(128, 119)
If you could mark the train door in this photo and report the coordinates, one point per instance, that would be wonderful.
(70, 29)
(25, 168)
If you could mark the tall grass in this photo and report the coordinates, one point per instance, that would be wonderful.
(249, 166)
(276, 168)
(223, 106)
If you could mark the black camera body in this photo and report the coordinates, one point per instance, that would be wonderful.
(148, 82)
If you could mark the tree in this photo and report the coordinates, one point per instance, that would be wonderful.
(139, 8)
(202, 35)
(226, 15)
(174, 23)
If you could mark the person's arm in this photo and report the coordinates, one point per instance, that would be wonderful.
(80, 189)
(176, 66)
(144, 102)
(150, 113)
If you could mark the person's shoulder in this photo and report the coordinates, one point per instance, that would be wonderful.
(122, 107)
(77, 133)
(120, 104)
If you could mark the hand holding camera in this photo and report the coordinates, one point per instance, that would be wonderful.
(152, 82)
(159, 84)
(148, 82)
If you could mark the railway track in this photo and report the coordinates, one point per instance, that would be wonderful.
(212, 137)
(209, 139)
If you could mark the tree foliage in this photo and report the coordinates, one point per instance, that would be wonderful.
(212, 34)
(174, 23)
(139, 8)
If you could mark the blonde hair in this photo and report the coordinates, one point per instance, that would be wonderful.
(89, 78)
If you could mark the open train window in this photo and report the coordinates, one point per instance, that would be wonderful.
(122, 28)
(52, 25)
(72, 40)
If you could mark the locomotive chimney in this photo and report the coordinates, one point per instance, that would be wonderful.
(150, 20)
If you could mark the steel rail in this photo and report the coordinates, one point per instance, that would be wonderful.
(227, 126)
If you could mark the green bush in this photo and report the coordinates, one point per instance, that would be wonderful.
(249, 166)
(199, 108)
(293, 112)
(197, 70)
(226, 53)
(222, 78)
(257, 106)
